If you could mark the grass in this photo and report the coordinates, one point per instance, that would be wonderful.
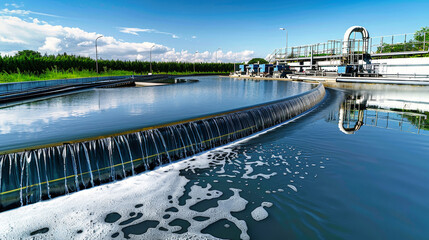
(54, 74)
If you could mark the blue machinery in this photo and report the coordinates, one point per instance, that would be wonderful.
(44, 172)
(262, 70)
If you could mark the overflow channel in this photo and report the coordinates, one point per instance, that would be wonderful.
(45, 172)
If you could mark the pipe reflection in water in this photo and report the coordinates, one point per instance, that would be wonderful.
(376, 111)
(31, 176)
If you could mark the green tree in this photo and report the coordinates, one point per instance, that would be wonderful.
(28, 53)
(420, 34)
(256, 60)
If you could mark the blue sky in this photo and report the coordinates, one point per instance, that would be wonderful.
(242, 28)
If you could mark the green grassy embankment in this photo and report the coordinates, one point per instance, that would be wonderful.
(52, 74)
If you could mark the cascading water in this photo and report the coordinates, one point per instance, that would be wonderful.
(31, 176)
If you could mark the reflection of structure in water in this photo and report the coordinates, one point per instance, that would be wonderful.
(356, 111)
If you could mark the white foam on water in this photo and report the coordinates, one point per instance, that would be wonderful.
(257, 163)
(260, 213)
(86, 210)
(266, 204)
(222, 169)
(227, 175)
(279, 156)
(247, 156)
(292, 187)
(249, 170)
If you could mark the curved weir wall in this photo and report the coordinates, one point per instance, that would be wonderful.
(34, 175)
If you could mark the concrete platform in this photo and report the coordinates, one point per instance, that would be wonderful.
(292, 78)
(385, 80)
(346, 82)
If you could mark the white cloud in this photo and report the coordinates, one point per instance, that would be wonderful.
(10, 53)
(13, 5)
(85, 43)
(193, 37)
(11, 40)
(6, 11)
(52, 45)
(18, 34)
(136, 31)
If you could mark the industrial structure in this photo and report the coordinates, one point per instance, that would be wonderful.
(356, 55)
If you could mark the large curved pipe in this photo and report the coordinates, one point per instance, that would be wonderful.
(351, 130)
(346, 40)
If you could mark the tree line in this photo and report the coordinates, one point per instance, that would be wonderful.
(28, 61)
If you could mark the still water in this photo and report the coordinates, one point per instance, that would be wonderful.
(108, 111)
(356, 167)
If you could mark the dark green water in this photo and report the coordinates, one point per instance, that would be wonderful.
(316, 180)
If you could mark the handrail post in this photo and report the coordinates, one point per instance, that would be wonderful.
(405, 43)
(424, 41)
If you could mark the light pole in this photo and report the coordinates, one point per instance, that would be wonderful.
(150, 55)
(194, 60)
(216, 53)
(284, 29)
(96, 53)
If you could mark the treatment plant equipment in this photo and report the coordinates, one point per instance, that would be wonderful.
(263, 70)
(253, 69)
(366, 56)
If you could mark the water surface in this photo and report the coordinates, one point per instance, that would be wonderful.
(106, 111)
(354, 168)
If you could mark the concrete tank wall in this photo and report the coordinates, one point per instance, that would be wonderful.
(25, 86)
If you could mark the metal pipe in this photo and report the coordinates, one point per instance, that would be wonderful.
(96, 53)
